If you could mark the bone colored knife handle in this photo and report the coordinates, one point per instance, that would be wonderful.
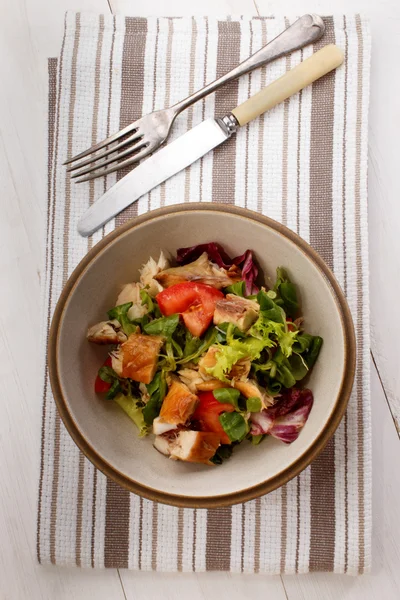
(319, 64)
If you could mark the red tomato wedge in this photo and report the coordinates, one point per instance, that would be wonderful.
(207, 414)
(194, 301)
(100, 386)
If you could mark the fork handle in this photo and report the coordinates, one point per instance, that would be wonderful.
(309, 28)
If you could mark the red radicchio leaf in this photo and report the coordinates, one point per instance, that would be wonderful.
(261, 422)
(286, 418)
(215, 252)
(249, 271)
(288, 400)
(217, 255)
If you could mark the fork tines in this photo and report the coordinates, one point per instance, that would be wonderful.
(117, 146)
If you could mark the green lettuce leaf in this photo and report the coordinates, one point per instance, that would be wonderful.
(256, 439)
(157, 390)
(147, 300)
(313, 351)
(208, 341)
(287, 292)
(164, 326)
(230, 354)
(227, 331)
(227, 396)
(303, 342)
(192, 344)
(114, 390)
(238, 288)
(234, 426)
(121, 314)
(270, 309)
(223, 453)
(130, 405)
(107, 374)
(253, 404)
(298, 366)
(264, 328)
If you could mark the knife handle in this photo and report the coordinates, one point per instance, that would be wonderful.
(319, 64)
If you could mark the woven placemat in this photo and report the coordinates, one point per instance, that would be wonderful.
(304, 164)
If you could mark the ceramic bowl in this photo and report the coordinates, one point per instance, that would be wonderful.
(102, 430)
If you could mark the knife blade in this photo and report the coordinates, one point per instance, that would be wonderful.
(204, 137)
(162, 165)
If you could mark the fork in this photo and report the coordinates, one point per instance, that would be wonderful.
(144, 136)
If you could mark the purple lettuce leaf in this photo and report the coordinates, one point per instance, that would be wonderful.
(217, 255)
(215, 252)
(249, 271)
(286, 418)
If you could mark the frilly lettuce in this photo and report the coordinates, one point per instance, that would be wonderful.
(229, 355)
(263, 328)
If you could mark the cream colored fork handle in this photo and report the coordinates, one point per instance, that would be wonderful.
(311, 69)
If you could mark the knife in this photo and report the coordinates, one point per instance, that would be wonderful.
(209, 134)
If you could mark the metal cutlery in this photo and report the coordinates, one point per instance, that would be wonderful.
(196, 142)
(144, 136)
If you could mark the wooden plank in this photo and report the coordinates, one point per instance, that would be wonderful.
(201, 586)
(178, 8)
(31, 31)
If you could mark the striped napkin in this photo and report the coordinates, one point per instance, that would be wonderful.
(304, 164)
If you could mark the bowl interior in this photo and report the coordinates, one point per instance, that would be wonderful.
(110, 432)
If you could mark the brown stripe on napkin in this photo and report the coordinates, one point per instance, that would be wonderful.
(219, 531)
(322, 113)
(322, 546)
(246, 164)
(203, 106)
(226, 98)
(154, 537)
(192, 70)
(96, 103)
(180, 539)
(285, 137)
(132, 86)
(260, 187)
(167, 100)
(116, 533)
(299, 132)
(283, 528)
(93, 520)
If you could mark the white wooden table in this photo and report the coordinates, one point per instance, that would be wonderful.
(30, 31)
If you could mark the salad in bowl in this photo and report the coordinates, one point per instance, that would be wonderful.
(204, 357)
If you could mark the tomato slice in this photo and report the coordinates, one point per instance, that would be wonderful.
(100, 386)
(207, 414)
(194, 301)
